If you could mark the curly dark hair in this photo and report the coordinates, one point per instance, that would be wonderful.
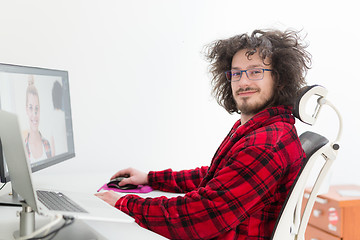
(285, 50)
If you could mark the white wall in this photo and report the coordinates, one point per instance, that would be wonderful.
(139, 83)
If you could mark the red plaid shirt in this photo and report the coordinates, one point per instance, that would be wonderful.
(239, 196)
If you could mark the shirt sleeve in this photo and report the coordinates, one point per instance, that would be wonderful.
(244, 185)
(177, 181)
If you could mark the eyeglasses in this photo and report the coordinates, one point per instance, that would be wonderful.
(252, 74)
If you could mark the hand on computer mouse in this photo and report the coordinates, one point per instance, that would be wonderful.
(114, 183)
(132, 176)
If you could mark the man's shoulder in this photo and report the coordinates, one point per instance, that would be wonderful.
(276, 127)
(270, 135)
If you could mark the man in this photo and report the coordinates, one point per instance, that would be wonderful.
(241, 193)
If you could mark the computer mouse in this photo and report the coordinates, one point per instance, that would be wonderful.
(114, 183)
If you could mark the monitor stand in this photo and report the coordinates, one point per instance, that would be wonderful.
(12, 199)
(27, 221)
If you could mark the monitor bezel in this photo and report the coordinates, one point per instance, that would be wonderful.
(12, 68)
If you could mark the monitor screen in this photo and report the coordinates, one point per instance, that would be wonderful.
(41, 99)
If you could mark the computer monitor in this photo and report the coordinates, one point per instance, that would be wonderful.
(41, 99)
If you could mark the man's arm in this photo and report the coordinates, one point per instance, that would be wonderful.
(167, 180)
(177, 181)
(238, 190)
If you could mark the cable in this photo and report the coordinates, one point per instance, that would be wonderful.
(3, 186)
(45, 228)
(8, 204)
(68, 221)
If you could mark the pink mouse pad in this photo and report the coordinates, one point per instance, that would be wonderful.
(139, 189)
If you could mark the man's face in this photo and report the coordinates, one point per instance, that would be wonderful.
(251, 96)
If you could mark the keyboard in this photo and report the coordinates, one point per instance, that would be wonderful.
(58, 202)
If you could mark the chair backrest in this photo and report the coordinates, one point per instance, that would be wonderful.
(291, 223)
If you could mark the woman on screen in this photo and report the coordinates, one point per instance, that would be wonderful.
(38, 148)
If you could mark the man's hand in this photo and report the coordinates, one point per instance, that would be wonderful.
(134, 177)
(110, 197)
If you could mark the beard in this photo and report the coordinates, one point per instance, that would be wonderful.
(251, 108)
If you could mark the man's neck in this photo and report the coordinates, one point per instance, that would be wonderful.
(245, 118)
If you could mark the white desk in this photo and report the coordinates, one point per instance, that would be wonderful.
(9, 222)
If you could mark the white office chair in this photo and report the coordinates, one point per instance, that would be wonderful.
(292, 223)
